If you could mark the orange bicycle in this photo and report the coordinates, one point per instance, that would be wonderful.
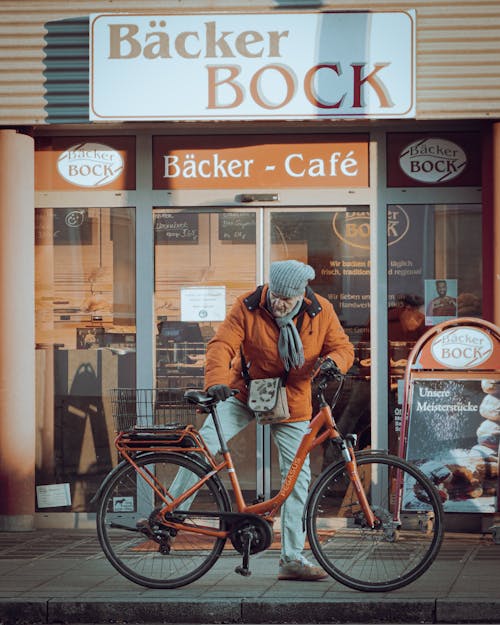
(374, 522)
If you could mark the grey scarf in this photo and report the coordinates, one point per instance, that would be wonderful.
(289, 343)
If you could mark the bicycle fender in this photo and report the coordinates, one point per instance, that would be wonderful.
(332, 467)
(202, 465)
(97, 494)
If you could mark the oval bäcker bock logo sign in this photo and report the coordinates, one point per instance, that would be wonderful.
(462, 348)
(433, 160)
(90, 164)
(353, 227)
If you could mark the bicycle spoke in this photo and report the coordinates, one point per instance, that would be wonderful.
(382, 558)
(142, 548)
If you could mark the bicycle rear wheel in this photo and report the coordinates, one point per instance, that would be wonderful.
(390, 556)
(142, 549)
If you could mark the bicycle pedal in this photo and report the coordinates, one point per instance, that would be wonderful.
(241, 570)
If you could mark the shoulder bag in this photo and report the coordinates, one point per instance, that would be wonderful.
(266, 397)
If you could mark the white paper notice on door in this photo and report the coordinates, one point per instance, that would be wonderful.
(207, 303)
(53, 495)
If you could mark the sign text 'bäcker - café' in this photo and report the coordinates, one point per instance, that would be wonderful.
(258, 162)
(252, 66)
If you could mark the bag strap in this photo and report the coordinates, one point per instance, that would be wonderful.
(244, 367)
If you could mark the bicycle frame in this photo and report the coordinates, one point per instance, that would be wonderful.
(322, 427)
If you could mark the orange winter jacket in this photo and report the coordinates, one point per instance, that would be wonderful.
(250, 325)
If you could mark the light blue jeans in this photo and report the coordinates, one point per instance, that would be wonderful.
(234, 417)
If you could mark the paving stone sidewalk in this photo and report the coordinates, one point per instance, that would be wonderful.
(61, 576)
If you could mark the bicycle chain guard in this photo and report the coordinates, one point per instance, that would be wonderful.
(252, 528)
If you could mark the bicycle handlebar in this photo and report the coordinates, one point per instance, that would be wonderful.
(205, 401)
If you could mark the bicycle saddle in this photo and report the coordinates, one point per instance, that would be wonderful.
(200, 398)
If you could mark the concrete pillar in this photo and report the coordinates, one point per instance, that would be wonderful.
(17, 334)
(496, 223)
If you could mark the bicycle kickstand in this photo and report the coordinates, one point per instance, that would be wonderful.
(247, 541)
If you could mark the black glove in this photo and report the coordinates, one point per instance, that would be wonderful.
(329, 368)
(219, 392)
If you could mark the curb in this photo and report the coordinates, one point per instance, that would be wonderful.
(158, 610)
(246, 612)
(23, 611)
(467, 610)
(339, 611)
(109, 609)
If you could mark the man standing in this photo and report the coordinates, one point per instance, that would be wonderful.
(280, 329)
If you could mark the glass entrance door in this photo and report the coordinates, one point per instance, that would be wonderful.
(335, 241)
(204, 259)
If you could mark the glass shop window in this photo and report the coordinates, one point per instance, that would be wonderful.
(434, 274)
(85, 340)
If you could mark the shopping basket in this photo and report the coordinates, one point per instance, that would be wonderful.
(145, 408)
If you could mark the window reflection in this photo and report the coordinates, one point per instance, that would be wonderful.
(434, 274)
(335, 241)
(204, 259)
(85, 276)
(85, 340)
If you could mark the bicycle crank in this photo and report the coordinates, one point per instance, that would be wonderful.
(249, 537)
(258, 532)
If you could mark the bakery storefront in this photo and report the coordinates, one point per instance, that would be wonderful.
(194, 257)
(153, 218)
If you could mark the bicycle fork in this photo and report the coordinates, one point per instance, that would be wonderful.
(347, 449)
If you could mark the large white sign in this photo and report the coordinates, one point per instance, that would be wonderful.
(237, 66)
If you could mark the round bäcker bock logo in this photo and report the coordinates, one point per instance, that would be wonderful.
(353, 227)
(462, 348)
(433, 160)
(90, 165)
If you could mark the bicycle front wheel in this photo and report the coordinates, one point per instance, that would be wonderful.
(406, 539)
(140, 547)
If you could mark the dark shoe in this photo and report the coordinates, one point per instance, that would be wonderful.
(301, 570)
